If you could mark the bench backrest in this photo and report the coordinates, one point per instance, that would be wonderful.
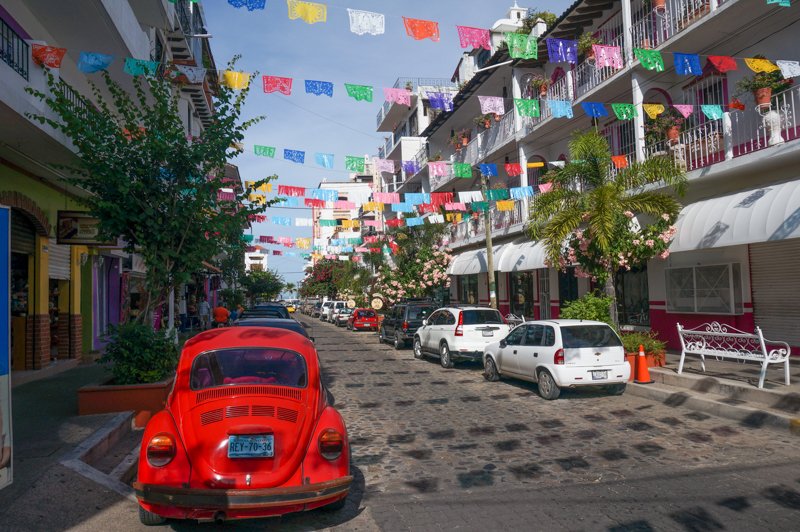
(721, 338)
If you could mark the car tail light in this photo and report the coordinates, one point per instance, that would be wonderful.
(460, 326)
(405, 325)
(331, 444)
(558, 358)
(160, 450)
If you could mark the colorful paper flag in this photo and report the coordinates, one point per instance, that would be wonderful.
(757, 64)
(506, 205)
(527, 107)
(687, 64)
(437, 168)
(49, 56)
(354, 163)
(620, 161)
(497, 194)
(462, 170)
(560, 108)
(562, 50)
(594, 109)
(653, 109)
(277, 84)
(140, 67)
(712, 112)
(359, 92)
(684, 110)
(513, 169)
(607, 56)
(521, 46)
(489, 170)
(309, 12)
(234, 80)
(264, 151)
(492, 104)
(324, 160)
(296, 156)
(474, 37)
(650, 59)
(366, 22)
(624, 111)
(545, 187)
(442, 101)
(789, 69)
(398, 96)
(319, 88)
(251, 5)
(421, 29)
(723, 63)
(94, 62)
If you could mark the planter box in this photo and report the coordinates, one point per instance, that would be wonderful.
(143, 399)
(653, 361)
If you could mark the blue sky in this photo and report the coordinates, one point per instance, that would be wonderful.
(272, 44)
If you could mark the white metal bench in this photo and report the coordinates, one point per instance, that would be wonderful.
(723, 341)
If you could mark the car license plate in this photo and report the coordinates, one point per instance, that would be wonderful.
(255, 446)
(488, 332)
(599, 375)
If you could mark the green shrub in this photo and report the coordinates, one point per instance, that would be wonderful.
(632, 340)
(139, 355)
(589, 307)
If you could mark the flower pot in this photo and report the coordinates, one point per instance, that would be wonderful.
(673, 133)
(631, 359)
(497, 117)
(543, 92)
(660, 5)
(487, 123)
(144, 399)
(762, 95)
(464, 141)
(590, 55)
(646, 43)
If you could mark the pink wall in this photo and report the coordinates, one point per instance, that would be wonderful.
(666, 323)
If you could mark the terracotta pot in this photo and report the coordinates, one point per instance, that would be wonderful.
(144, 399)
(590, 54)
(763, 95)
(673, 133)
(497, 117)
(646, 43)
(631, 359)
(464, 141)
(660, 5)
(487, 123)
(543, 91)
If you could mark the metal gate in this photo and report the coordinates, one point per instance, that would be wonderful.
(775, 278)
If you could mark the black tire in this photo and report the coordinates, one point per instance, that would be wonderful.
(548, 388)
(445, 359)
(490, 372)
(417, 348)
(150, 519)
(381, 334)
(335, 506)
(617, 389)
(398, 342)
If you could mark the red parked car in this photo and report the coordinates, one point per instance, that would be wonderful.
(247, 432)
(363, 319)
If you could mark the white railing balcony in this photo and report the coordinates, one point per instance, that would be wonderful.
(438, 182)
(755, 129)
(699, 146)
(588, 75)
(416, 86)
(473, 229)
(488, 141)
(650, 28)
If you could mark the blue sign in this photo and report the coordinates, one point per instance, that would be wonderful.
(5, 347)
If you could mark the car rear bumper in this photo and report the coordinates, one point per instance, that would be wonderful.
(370, 326)
(567, 377)
(467, 355)
(196, 501)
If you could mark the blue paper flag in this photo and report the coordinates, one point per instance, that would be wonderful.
(594, 109)
(521, 192)
(296, 156)
(410, 168)
(325, 160)
(412, 222)
(441, 101)
(139, 67)
(562, 50)
(325, 194)
(489, 170)
(560, 108)
(402, 207)
(416, 198)
(319, 88)
(251, 5)
(712, 112)
(94, 62)
(688, 64)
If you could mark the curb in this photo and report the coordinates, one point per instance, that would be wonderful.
(745, 415)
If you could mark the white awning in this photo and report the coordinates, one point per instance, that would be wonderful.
(758, 215)
(474, 261)
(523, 255)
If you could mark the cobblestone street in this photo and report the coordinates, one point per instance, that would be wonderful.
(435, 448)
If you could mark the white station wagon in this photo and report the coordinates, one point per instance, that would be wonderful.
(560, 354)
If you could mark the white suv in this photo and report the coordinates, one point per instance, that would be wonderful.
(329, 308)
(558, 354)
(459, 333)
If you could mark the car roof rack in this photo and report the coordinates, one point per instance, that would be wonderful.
(415, 300)
(463, 305)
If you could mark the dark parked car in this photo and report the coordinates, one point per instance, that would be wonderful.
(402, 321)
(267, 310)
(279, 323)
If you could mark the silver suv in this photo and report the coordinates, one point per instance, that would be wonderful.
(459, 333)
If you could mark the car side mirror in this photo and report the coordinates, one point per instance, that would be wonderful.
(503, 344)
(424, 323)
(311, 338)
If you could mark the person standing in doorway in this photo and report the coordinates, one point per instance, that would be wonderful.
(182, 312)
(204, 311)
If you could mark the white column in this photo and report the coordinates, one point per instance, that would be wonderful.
(727, 135)
(638, 121)
(627, 33)
(516, 92)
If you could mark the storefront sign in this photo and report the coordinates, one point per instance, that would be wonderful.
(79, 228)
(5, 347)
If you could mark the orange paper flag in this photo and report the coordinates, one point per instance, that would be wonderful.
(421, 29)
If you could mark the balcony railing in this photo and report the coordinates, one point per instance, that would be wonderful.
(587, 74)
(474, 228)
(488, 141)
(184, 16)
(76, 100)
(696, 147)
(755, 129)
(417, 86)
(14, 51)
(651, 28)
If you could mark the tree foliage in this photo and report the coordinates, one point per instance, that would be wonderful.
(151, 184)
(596, 218)
(266, 284)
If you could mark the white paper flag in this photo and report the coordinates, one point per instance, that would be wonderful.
(363, 22)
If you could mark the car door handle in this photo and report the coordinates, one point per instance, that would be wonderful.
(515, 351)
(536, 354)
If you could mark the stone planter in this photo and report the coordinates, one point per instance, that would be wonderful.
(144, 399)
(762, 96)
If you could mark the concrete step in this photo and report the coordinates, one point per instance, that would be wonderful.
(735, 392)
(747, 414)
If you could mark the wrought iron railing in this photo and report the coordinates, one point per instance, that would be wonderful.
(78, 102)
(417, 86)
(488, 141)
(696, 147)
(473, 228)
(587, 74)
(760, 127)
(651, 27)
(184, 16)
(14, 51)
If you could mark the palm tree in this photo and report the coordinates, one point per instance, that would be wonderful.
(591, 204)
(289, 287)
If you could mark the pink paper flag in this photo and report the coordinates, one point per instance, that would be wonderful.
(277, 84)
(545, 187)
(398, 96)
(385, 165)
(341, 204)
(474, 37)
(437, 169)
(455, 207)
(685, 110)
(492, 104)
(372, 223)
(607, 56)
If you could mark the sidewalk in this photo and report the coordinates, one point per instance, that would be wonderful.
(46, 426)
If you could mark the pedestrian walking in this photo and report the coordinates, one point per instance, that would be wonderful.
(221, 316)
(204, 311)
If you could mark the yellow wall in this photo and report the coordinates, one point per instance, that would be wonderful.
(75, 278)
(41, 289)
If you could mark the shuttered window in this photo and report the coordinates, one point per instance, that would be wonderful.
(775, 278)
(58, 261)
(23, 235)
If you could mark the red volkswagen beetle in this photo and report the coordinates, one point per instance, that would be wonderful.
(247, 432)
(363, 318)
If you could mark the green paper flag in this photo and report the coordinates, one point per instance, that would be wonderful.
(462, 170)
(359, 92)
(479, 206)
(354, 163)
(521, 46)
(264, 151)
(624, 111)
(527, 107)
(497, 194)
(328, 223)
(650, 59)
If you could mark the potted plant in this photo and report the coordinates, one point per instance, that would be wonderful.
(464, 136)
(585, 42)
(763, 85)
(142, 363)
(538, 85)
(667, 126)
(657, 5)
(483, 120)
(654, 349)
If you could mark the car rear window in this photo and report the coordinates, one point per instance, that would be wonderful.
(481, 316)
(288, 325)
(576, 336)
(276, 312)
(419, 312)
(257, 365)
(366, 314)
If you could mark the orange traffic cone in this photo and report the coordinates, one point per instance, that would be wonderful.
(642, 372)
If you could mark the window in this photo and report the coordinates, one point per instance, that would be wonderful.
(481, 316)
(522, 293)
(715, 289)
(448, 319)
(515, 336)
(260, 365)
(435, 319)
(633, 302)
(418, 312)
(534, 336)
(469, 289)
(576, 337)
(567, 286)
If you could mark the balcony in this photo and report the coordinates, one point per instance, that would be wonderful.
(737, 133)
(390, 113)
(472, 230)
(179, 37)
(488, 141)
(651, 28)
(587, 74)
(14, 51)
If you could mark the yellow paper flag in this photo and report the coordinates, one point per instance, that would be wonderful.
(249, 184)
(235, 80)
(760, 65)
(373, 206)
(505, 205)
(310, 12)
(653, 109)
